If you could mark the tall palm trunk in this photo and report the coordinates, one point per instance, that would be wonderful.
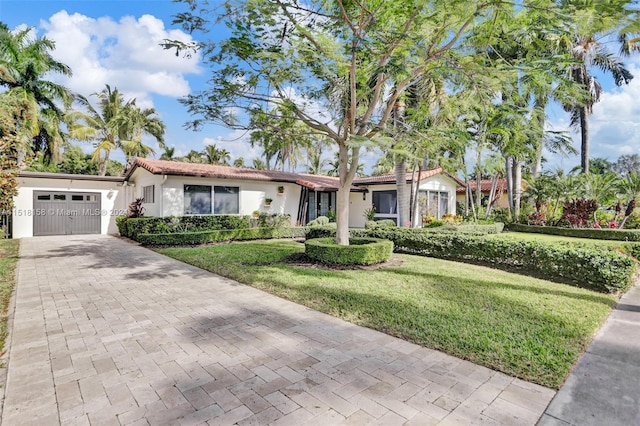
(401, 190)
(584, 134)
(540, 105)
(517, 186)
(104, 162)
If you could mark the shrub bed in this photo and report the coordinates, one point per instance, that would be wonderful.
(204, 237)
(601, 270)
(360, 251)
(598, 234)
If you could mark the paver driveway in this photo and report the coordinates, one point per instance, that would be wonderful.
(106, 332)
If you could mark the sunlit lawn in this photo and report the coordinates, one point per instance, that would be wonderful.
(8, 262)
(525, 327)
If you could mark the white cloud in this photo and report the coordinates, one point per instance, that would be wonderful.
(125, 54)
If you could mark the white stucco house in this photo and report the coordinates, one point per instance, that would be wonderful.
(59, 204)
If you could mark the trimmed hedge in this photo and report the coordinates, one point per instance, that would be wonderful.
(597, 234)
(601, 270)
(390, 232)
(204, 237)
(360, 251)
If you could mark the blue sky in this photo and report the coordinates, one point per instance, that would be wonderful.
(115, 42)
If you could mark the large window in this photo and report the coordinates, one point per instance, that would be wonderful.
(226, 200)
(197, 199)
(386, 204)
(436, 205)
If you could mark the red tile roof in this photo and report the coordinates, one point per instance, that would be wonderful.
(314, 182)
(391, 178)
(176, 168)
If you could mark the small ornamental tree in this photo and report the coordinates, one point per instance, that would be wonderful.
(579, 211)
(338, 67)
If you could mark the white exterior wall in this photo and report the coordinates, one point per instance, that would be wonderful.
(357, 206)
(252, 194)
(441, 183)
(113, 196)
(142, 178)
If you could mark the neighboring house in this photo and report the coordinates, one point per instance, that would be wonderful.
(51, 204)
(500, 198)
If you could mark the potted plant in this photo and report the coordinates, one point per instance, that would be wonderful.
(255, 214)
(281, 189)
(267, 201)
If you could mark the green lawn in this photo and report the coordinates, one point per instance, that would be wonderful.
(525, 327)
(8, 262)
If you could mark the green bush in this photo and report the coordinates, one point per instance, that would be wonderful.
(319, 221)
(589, 267)
(203, 237)
(598, 234)
(360, 251)
(132, 227)
(121, 223)
(384, 223)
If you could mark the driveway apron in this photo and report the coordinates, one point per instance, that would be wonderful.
(107, 332)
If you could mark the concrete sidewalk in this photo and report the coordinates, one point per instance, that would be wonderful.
(106, 332)
(604, 387)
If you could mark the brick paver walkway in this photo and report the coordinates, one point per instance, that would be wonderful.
(106, 332)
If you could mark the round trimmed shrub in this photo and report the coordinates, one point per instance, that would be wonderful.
(360, 251)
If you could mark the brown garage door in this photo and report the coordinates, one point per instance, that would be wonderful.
(66, 213)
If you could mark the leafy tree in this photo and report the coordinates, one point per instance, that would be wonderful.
(627, 164)
(338, 67)
(600, 166)
(114, 124)
(25, 62)
(238, 162)
(16, 127)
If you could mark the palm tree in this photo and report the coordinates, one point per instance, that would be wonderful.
(589, 49)
(168, 153)
(24, 62)
(141, 122)
(193, 156)
(214, 155)
(238, 162)
(116, 124)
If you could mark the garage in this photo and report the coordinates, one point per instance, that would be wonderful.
(66, 213)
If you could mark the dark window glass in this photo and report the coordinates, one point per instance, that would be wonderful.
(59, 197)
(44, 197)
(385, 202)
(197, 199)
(77, 198)
(226, 200)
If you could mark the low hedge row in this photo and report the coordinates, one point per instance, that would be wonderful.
(326, 231)
(598, 234)
(601, 270)
(204, 237)
(132, 227)
(360, 251)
